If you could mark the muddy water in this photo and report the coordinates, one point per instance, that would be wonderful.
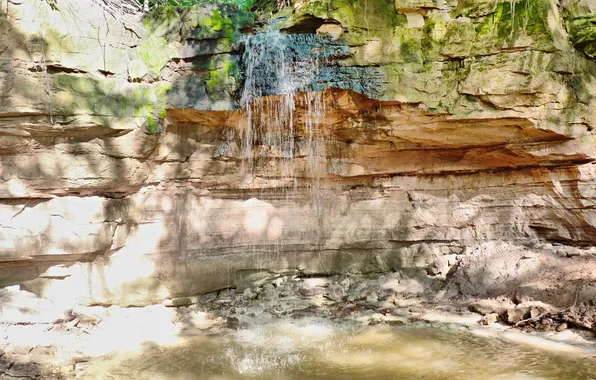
(315, 349)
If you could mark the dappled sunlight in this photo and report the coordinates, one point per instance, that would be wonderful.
(275, 229)
(16, 187)
(250, 220)
(123, 268)
(256, 216)
(131, 329)
(144, 239)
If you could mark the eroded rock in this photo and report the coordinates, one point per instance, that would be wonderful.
(129, 182)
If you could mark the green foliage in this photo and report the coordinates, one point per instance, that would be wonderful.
(243, 4)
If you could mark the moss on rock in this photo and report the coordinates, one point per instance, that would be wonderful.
(459, 38)
(583, 33)
(515, 23)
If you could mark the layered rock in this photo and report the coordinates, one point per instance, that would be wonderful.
(427, 129)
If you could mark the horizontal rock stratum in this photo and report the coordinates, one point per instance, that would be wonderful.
(134, 168)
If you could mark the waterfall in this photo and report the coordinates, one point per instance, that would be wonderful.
(282, 98)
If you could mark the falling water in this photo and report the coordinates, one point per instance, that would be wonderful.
(270, 122)
(283, 98)
(284, 111)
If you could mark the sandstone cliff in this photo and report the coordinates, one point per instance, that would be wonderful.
(134, 169)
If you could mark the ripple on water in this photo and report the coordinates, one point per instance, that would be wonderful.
(322, 350)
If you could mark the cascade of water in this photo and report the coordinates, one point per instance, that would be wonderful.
(269, 123)
(278, 68)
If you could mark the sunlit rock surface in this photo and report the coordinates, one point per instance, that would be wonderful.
(133, 170)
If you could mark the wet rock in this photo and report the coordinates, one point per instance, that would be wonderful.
(489, 319)
(346, 283)
(516, 315)
(582, 316)
(248, 294)
(335, 292)
(233, 323)
(385, 306)
(255, 311)
(375, 321)
(227, 293)
(493, 305)
(311, 292)
(372, 297)
(207, 297)
(356, 291)
(406, 286)
(181, 301)
(562, 327)
(546, 321)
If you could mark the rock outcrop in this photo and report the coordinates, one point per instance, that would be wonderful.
(133, 169)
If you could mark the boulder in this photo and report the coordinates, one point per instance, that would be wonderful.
(517, 314)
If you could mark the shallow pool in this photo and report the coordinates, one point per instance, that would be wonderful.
(320, 349)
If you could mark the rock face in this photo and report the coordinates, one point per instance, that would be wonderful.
(135, 168)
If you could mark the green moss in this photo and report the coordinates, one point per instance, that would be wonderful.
(163, 113)
(411, 51)
(152, 125)
(55, 41)
(155, 52)
(165, 22)
(378, 17)
(216, 22)
(512, 20)
(219, 25)
(149, 102)
(583, 33)
(434, 31)
(106, 98)
(459, 39)
(222, 69)
(474, 8)
(215, 80)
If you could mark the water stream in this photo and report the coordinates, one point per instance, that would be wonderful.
(320, 349)
(281, 100)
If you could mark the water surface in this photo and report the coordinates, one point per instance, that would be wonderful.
(318, 349)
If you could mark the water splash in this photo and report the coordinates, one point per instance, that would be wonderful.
(277, 347)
